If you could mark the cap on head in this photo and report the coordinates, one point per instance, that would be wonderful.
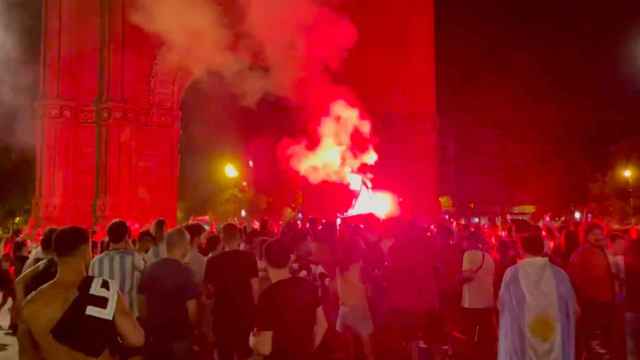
(68, 240)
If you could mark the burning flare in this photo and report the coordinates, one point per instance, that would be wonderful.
(382, 204)
(335, 159)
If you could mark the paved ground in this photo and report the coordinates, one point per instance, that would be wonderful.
(8, 344)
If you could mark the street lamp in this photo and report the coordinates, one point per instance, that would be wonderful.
(230, 171)
(628, 174)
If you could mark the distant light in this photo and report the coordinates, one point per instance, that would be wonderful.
(577, 215)
(251, 164)
(243, 213)
(230, 171)
(627, 173)
(475, 220)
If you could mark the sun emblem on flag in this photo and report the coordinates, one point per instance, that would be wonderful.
(542, 327)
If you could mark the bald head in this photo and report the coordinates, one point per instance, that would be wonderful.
(177, 242)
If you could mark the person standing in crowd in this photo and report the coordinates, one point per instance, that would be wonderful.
(7, 244)
(537, 307)
(412, 298)
(196, 261)
(478, 305)
(632, 299)
(159, 249)
(120, 263)
(39, 270)
(231, 278)
(145, 242)
(616, 250)
(290, 323)
(20, 256)
(354, 315)
(594, 284)
(44, 251)
(168, 301)
(562, 253)
(616, 253)
(213, 245)
(75, 316)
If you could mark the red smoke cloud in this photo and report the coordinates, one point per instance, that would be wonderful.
(289, 48)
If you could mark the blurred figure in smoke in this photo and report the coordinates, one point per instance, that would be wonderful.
(506, 256)
(537, 307)
(412, 294)
(354, 315)
(478, 305)
(450, 253)
(196, 261)
(562, 253)
(145, 242)
(159, 249)
(616, 252)
(594, 284)
(42, 252)
(20, 256)
(7, 244)
(39, 271)
(632, 299)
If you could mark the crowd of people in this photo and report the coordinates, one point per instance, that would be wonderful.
(314, 289)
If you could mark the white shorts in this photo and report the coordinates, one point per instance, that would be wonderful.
(356, 319)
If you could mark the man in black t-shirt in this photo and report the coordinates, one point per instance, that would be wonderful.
(232, 280)
(168, 301)
(290, 322)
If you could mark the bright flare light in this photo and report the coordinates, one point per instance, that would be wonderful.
(336, 159)
(382, 204)
(627, 173)
(230, 171)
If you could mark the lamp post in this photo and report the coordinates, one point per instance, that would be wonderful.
(628, 174)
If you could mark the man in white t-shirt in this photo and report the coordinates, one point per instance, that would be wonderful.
(478, 301)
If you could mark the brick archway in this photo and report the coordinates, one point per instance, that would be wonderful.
(108, 119)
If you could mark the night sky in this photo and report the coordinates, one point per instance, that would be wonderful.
(533, 96)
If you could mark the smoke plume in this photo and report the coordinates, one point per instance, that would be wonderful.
(287, 48)
(276, 46)
(18, 77)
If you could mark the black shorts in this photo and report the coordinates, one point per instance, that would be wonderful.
(233, 340)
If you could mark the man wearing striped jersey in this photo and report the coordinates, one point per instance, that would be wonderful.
(120, 263)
